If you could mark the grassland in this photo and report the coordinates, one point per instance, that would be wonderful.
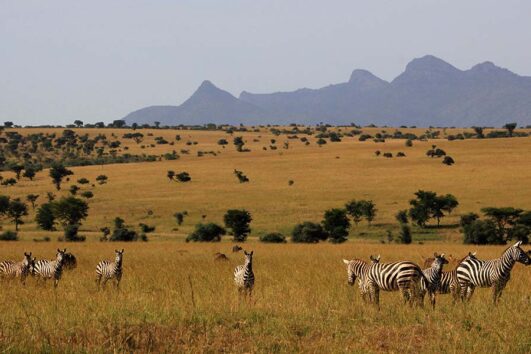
(175, 298)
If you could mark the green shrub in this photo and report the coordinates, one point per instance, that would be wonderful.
(308, 232)
(206, 233)
(9, 236)
(273, 237)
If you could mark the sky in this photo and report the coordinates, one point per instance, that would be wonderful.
(63, 60)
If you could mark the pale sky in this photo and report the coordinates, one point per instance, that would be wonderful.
(62, 60)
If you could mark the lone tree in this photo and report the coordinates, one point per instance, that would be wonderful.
(510, 128)
(308, 232)
(239, 143)
(429, 205)
(32, 198)
(57, 173)
(29, 173)
(16, 210)
(354, 210)
(179, 217)
(336, 224)
(17, 168)
(238, 221)
(369, 210)
(69, 212)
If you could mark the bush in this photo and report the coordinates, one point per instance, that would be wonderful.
(336, 224)
(122, 233)
(206, 233)
(183, 177)
(273, 237)
(87, 194)
(9, 236)
(405, 234)
(482, 232)
(401, 217)
(238, 221)
(308, 232)
(71, 233)
(448, 160)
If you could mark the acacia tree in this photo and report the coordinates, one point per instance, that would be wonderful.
(510, 128)
(369, 210)
(32, 198)
(16, 210)
(238, 221)
(355, 210)
(429, 205)
(69, 212)
(57, 173)
(336, 224)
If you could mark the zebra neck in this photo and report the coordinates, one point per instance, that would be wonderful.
(507, 262)
(249, 266)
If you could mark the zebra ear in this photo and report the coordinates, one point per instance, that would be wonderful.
(58, 250)
(122, 250)
(378, 258)
(345, 261)
(251, 253)
(517, 244)
(442, 255)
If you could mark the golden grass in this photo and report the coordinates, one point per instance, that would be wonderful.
(175, 298)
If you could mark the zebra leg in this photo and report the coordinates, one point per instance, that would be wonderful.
(432, 299)
(469, 292)
(98, 281)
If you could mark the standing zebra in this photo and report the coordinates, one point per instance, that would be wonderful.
(431, 281)
(449, 283)
(357, 268)
(110, 270)
(45, 269)
(244, 276)
(494, 273)
(12, 269)
(403, 276)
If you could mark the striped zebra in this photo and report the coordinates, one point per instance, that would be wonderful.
(45, 269)
(494, 273)
(110, 270)
(403, 276)
(449, 283)
(12, 269)
(356, 268)
(244, 276)
(431, 281)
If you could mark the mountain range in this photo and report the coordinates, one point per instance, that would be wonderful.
(430, 92)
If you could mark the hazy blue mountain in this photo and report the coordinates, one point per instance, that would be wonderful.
(429, 92)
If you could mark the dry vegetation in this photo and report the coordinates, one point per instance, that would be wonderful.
(176, 298)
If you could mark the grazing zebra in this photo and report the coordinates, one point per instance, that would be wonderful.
(244, 276)
(110, 270)
(494, 273)
(432, 278)
(357, 268)
(69, 261)
(45, 269)
(403, 276)
(12, 269)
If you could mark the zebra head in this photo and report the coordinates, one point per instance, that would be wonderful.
(248, 257)
(60, 255)
(518, 254)
(375, 259)
(119, 256)
(439, 260)
(27, 260)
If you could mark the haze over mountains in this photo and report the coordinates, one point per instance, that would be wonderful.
(430, 92)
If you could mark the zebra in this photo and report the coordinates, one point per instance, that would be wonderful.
(356, 268)
(244, 276)
(403, 276)
(110, 270)
(449, 284)
(12, 269)
(431, 281)
(45, 269)
(494, 273)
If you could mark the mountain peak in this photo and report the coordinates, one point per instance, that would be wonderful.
(430, 63)
(489, 68)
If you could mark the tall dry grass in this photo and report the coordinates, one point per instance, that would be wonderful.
(174, 297)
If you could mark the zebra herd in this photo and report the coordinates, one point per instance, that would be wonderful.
(45, 270)
(406, 277)
(414, 283)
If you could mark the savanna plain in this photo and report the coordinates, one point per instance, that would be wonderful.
(175, 297)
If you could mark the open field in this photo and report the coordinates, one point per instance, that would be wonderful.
(175, 298)
(488, 172)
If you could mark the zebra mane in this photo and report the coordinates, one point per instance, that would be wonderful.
(461, 261)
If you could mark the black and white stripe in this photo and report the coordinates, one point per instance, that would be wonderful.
(494, 273)
(45, 269)
(107, 270)
(244, 275)
(431, 281)
(356, 268)
(401, 276)
(12, 269)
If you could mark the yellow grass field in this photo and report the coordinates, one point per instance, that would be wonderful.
(176, 298)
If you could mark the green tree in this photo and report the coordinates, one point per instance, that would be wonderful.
(17, 209)
(29, 173)
(482, 232)
(308, 232)
(401, 217)
(369, 210)
(32, 198)
(510, 128)
(354, 209)
(336, 224)
(206, 233)
(405, 234)
(505, 218)
(57, 173)
(238, 221)
(17, 168)
(45, 217)
(239, 143)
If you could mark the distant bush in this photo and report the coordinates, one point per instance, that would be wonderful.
(448, 160)
(336, 224)
(482, 232)
(308, 232)
(400, 154)
(409, 143)
(183, 177)
(102, 179)
(206, 233)
(9, 236)
(87, 194)
(273, 237)
(388, 155)
(405, 234)
(83, 180)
